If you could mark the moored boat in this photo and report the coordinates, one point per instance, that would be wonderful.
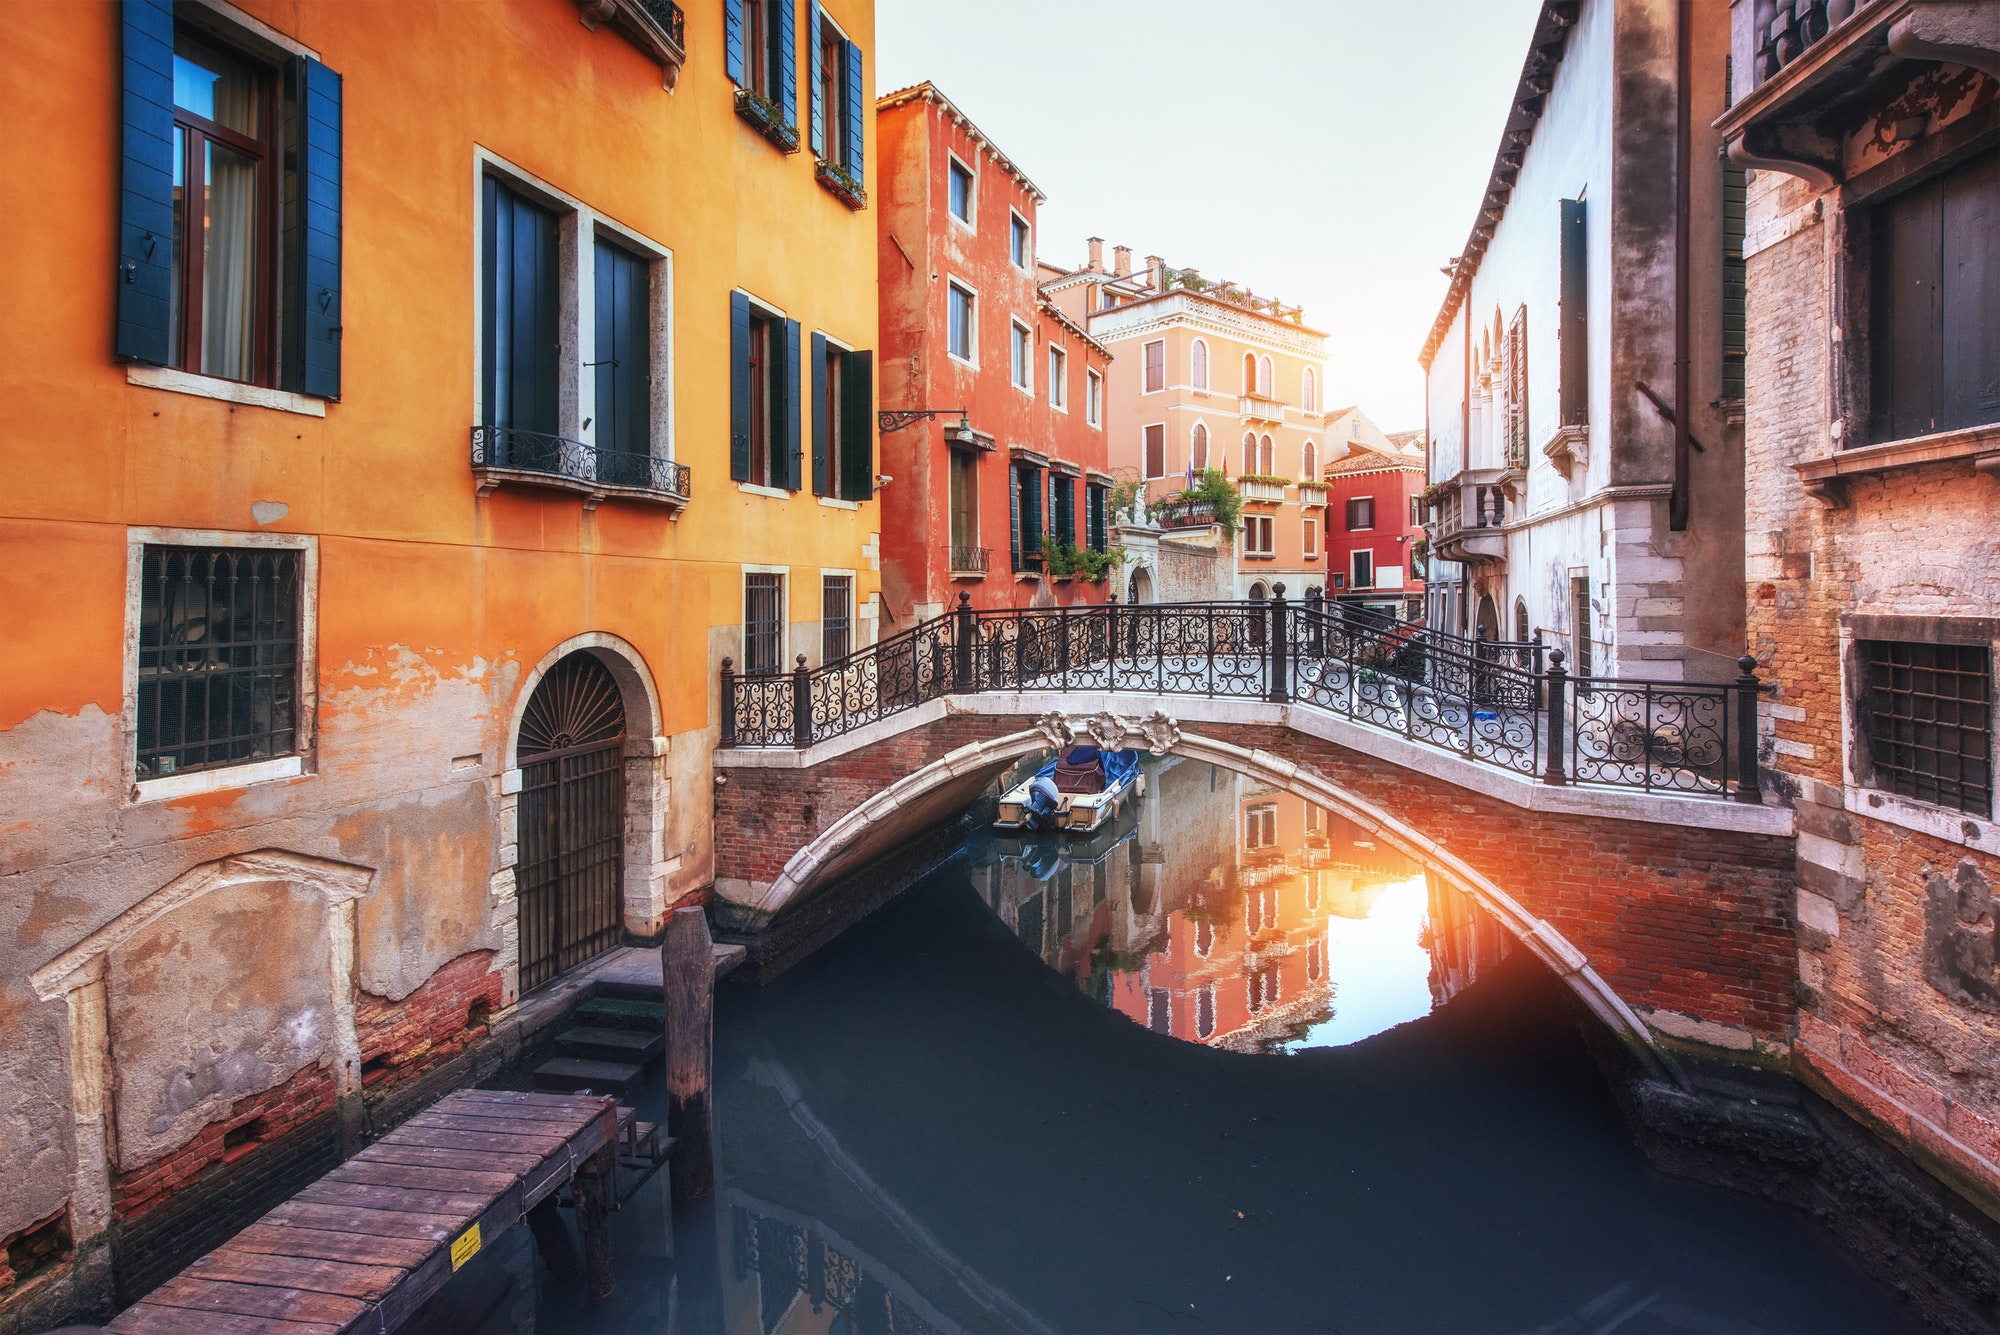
(1075, 792)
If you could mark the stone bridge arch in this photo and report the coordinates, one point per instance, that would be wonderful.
(1671, 918)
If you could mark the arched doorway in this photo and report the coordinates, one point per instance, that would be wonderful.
(1139, 588)
(569, 879)
(1488, 624)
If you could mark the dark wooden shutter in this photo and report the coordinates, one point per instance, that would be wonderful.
(315, 240)
(1573, 324)
(815, 83)
(624, 357)
(732, 39)
(824, 483)
(1032, 522)
(1969, 297)
(739, 375)
(856, 109)
(1014, 485)
(857, 426)
(522, 282)
(146, 184)
(794, 442)
(786, 94)
(1904, 273)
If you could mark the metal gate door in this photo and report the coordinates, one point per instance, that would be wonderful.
(571, 865)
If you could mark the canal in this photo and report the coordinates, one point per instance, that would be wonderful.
(1225, 1065)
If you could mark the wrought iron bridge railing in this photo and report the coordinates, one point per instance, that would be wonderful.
(575, 465)
(1509, 706)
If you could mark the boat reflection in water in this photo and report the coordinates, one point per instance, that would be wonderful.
(1222, 911)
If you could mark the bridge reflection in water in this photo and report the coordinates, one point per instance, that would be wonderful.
(1222, 911)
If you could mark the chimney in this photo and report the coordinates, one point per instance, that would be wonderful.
(1121, 261)
(1156, 273)
(1096, 264)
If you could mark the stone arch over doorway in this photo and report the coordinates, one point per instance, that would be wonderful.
(928, 793)
(1139, 588)
(641, 880)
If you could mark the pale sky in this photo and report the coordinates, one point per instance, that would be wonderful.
(1330, 153)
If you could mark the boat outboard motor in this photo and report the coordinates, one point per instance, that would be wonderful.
(1043, 803)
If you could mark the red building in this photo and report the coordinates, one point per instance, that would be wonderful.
(1374, 544)
(974, 503)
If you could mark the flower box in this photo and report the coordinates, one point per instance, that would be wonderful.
(768, 119)
(840, 183)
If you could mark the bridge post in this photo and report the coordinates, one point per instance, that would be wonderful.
(965, 635)
(729, 702)
(1555, 685)
(1316, 630)
(1280, 685)
(1748, 786)
(1111, 641)
(802, 706)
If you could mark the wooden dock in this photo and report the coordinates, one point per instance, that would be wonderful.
(362, 1248)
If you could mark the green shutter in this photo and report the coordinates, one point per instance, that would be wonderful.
(1573, 324)
(312, 340)
(1014, 485)
(146, 184)
(794, 444)
(732, 39)
(816, 128)
(787, 92)
(857, 426)
(739, 387)
(823, 481)
(856, 108)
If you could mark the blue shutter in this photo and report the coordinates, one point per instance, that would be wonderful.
(817, 120)
(739, 387)
(146, 184)
(851, 68)
(857, 426)
(732, 39)
(316, 303)
(1014, 485)
(787, 93)
(793, 444)
(823, 479)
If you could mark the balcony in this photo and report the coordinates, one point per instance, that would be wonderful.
(968, 562)
(1258, 408)
(1268, 490)
(1312, 494)
(1177, 513)
(1470, 512)
(657, 27)
(504, 457)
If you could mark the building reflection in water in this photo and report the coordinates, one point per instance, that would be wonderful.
(1225, 912)
(810, 1280)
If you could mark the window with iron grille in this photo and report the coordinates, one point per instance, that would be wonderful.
(763, 622)
(218, 658)
(1927, 717)
(836, 617)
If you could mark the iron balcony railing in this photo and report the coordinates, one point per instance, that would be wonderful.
(968, 560)
(577, 465)
(1179, 513)
(1509, 706)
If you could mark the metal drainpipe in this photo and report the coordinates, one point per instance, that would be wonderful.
(1677, 505)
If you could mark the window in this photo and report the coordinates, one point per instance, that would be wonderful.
(1927, 721)
(1264, 376)
(624, 357)
(1017, 242)
(1735, 309)
(1257, 535)
(1093, 394)
(1311, 538)
(1159, 1010)
(836, 617)
(1315, 825)
(1204, 1008)
(763, 622)
(1520, 621)
(1267, 457)
(1058, 378)
(1360, 513)
(1260, 830)
(1062, 509)
(1156, 366)
(843, 426)
(1198, 447)
(1309, 391)
(966, 554)
(1249, 373)
(1579, 606)
(1514, 391)
(1021, 372)
(764, 400)
(1361, 568)
(1156, 451)
(1309, 463)
(959, 323)
(1096, 517)
(1416, 511)
(1198, 365)
(1935, 283)
(958, 191)
(835, 90)
(1249, 460)
(1573, 320)
(1027, 498)
(522, 281)
(218, 658)
(763, 61)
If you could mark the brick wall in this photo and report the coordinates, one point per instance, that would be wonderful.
(1693, 921)
(256, 1121)
(401, 1039)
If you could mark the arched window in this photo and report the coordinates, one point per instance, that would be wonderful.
(1520, 621)
(1267, 458)
(1309, 462)
(1249, 460)
(1198, 447)
(1198, 365)
(1249, 373)
(1309, 392)
(1264, 377)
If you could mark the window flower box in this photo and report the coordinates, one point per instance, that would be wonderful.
(768, 118)
(841, 183)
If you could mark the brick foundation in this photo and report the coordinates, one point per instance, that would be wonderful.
(252, 1123)
(450, 1012)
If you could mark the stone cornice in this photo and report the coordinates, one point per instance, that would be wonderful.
(1185, 310)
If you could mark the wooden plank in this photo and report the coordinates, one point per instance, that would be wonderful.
(504, 1126)
(554, 1106)
(145, 1319)
(390, 1155)
(366, 1282)
(380, 1223)
(408, 1200)
(419, 1177)
(525, 1098)
(325, 1245)
(256, 1300)
(483, 1141)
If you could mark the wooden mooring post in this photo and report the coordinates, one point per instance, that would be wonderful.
(687, 965)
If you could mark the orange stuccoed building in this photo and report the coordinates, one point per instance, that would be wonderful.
(407, 408)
